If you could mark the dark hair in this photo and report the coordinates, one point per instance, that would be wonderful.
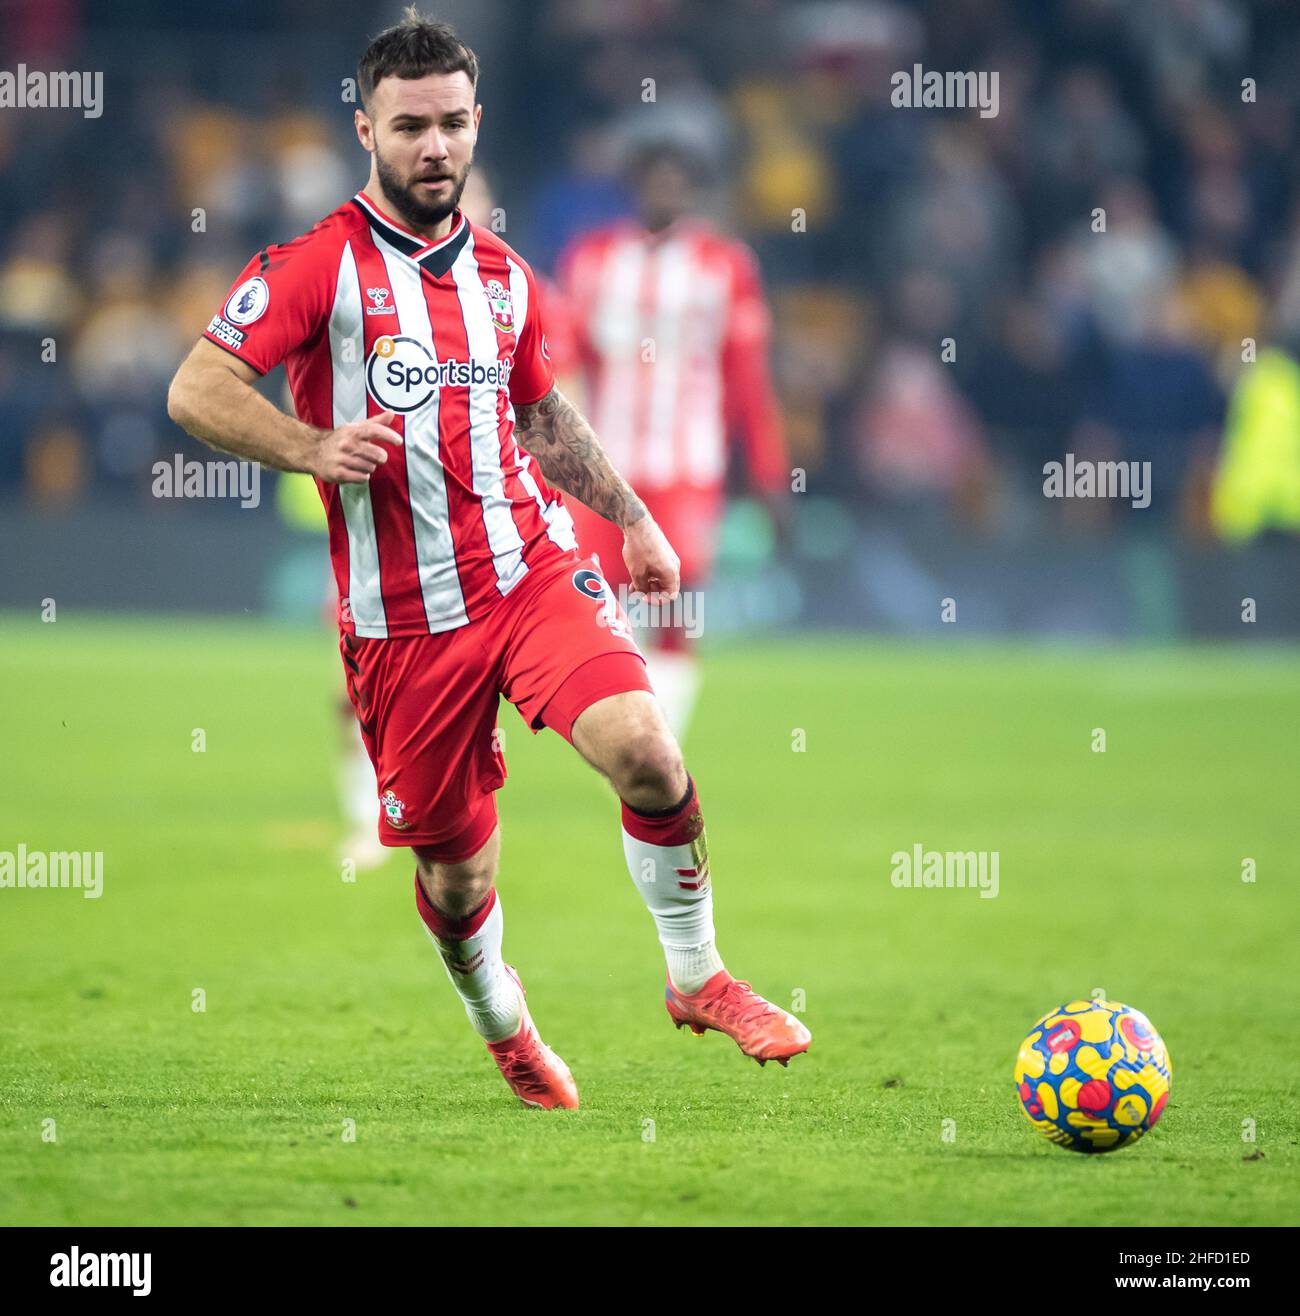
(645, 154)
(414, 48)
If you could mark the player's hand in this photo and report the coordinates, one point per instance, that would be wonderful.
(349, 454)
(652, 566)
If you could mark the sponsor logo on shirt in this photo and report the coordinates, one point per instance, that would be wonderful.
(402, 374)
(381, 305)
(224, 330)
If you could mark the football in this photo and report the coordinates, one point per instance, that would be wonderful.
(1093, 1075)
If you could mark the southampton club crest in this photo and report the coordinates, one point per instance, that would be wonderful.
(501, 305)
(393, 807)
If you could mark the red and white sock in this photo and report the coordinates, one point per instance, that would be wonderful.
(669, 862)
(471, 953)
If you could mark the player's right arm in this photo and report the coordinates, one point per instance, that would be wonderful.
(212, 397)
(280, 301)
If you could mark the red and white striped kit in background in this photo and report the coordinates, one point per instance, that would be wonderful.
(672, 331)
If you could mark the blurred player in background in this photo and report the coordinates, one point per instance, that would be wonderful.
(672, 331)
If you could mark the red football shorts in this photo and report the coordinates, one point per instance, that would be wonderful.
(688, 516)
(427, 704)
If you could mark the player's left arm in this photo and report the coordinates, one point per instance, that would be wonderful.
(559, 436)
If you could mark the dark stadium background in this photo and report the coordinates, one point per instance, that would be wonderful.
(923, 476)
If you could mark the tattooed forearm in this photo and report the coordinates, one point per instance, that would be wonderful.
(558, 435)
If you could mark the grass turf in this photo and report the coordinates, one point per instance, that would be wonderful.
(325, 1003)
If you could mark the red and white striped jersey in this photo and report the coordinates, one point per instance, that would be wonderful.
(672, 332)
(369, 316)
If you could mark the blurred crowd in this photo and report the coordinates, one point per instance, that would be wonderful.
(1100, 268)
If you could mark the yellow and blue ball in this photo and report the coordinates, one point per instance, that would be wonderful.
(1093, 1076)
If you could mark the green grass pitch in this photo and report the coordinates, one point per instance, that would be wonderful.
(325, 1003)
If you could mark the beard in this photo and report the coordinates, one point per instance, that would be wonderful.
(418, 211)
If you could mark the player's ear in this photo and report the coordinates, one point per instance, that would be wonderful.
(365, 129)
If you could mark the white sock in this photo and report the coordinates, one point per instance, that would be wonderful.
(675, 677)
(478, 973)
(668, 859)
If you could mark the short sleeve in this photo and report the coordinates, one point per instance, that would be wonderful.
(276, 304)
(532, 376)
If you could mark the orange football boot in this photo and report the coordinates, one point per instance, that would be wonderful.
(730, 1005)
(534, 1073)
